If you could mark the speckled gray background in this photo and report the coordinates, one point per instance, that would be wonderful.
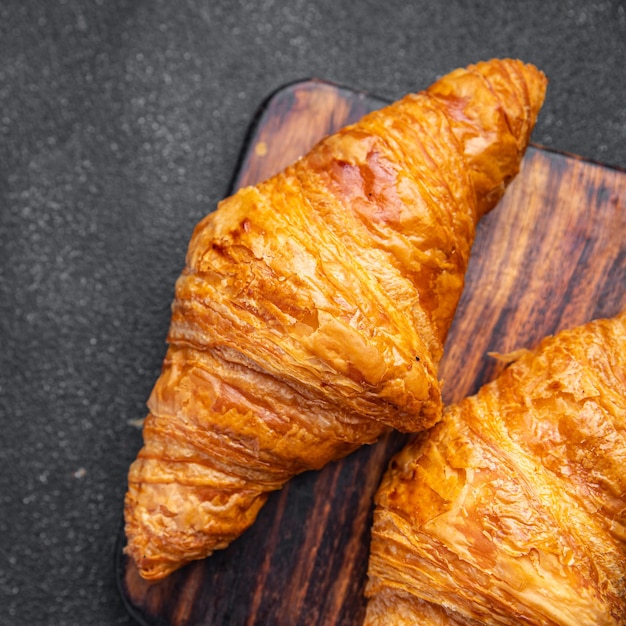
(120, 126)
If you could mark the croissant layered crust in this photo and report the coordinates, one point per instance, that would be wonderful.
(513, 508)
(312, 311)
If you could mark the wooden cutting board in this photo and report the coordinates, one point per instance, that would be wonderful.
(551, 255)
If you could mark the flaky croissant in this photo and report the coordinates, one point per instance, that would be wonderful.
(311, 314)
(512, 509)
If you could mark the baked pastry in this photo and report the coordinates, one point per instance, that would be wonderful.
(311, 314)
(512, 509)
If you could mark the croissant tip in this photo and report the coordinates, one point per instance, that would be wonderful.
(535, 81)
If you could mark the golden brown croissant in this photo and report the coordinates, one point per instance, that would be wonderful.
(311, 314)
(512, 509)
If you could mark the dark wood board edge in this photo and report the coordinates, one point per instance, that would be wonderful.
(185, 594)
(330, 105)
(571, 264)
(335, 106)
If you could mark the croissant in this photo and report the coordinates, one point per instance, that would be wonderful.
(512, 509)
(311, 315)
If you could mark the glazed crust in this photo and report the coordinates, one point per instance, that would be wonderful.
(513, 508)
(311, 314)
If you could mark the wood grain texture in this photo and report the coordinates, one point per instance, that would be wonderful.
(551, 255)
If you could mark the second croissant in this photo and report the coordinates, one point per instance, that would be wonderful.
(512, 510)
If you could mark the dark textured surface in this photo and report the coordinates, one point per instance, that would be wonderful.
(120, 126)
